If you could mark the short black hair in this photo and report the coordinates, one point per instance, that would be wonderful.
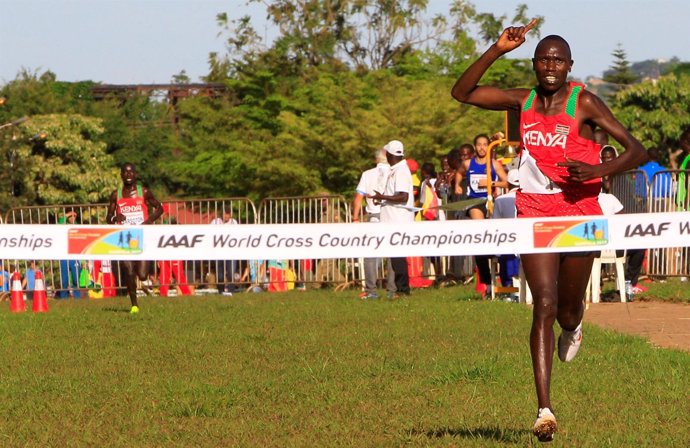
(554, 38)
(608, 148)
(477, 137)
(428, 167)
(653, 153)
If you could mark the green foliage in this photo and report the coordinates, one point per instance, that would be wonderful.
(342, 79)
(57, 159)
(73, 94)
(656, 112)
(31, 94)
(510, 73)
(448, 58)
(211, 141)
(490, 26)
(361, 34)
(181, 78)
(318, 137)
(135, 129)
(140, 131)
(682, 69)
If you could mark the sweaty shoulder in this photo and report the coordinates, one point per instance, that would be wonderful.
(591, 105)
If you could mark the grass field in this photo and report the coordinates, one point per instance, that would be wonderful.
(322, 369)
(668, 290)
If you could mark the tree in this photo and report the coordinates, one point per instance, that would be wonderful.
(620, 74)
(139, 130)
(29, 94)
(491, 26)
(305, 114)
(302, 114)
(181, 78)
(360, 34)
(656, 111)
(682, 69)
(317, 137)
(57, 159)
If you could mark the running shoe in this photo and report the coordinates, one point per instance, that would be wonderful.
(637, 289)
(134, 310)
(569, 343)
(545, 426)
(392, 295)
(369, 296)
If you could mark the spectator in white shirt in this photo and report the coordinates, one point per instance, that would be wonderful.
(397, 206)
(371, 181)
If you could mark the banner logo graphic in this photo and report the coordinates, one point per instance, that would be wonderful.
(127, 241)
(580, 233)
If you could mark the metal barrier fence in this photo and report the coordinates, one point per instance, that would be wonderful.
(64, 278)
(309, 210)
(207, 275)
(665, 192)
(631, 189)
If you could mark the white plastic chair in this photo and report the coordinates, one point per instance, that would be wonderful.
(525, 293)
(519, 287)
(607, 257)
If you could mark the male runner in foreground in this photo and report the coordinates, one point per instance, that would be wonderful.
(560, 175)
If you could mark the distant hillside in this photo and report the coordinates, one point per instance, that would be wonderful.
(649, 69)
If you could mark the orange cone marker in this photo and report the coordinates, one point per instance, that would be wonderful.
(17, 304)
(40, 297)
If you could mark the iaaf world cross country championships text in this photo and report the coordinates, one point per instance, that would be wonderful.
(25, 242)
(496, 238)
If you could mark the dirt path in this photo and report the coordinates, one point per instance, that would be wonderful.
(664, 324)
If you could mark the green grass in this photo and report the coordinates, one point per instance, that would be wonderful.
(668, 290)
(317, 369)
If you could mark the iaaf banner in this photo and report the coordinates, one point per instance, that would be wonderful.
(347, 240)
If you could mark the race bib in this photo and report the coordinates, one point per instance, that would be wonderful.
(474, 183)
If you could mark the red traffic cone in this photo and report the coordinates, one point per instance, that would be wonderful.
(17, 304)
(40, 297)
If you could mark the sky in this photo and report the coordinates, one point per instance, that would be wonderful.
(150, 41)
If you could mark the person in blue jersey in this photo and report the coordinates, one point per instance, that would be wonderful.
(474, 170)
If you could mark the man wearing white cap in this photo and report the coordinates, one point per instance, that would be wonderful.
(397, 202)
(371, 180)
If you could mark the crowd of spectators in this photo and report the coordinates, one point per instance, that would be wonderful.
(459, 178)
(462, 177)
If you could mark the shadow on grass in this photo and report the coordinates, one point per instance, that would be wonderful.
(506, 435)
